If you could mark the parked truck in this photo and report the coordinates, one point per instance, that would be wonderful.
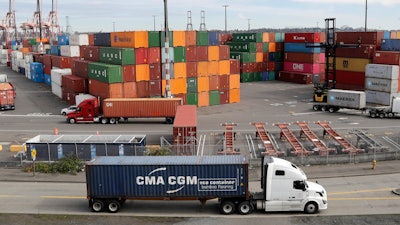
(284, 187)
(7, 96)
(112, 110)
(345, 99)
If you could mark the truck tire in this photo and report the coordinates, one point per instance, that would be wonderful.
(113, 121)
(390, 115)
(311, 208)
(245, 208)
(169, 120)
(104, 120)
(382, 115)
(71, 120)
(227, 207)
(316, 107)
(113, 206)
(97, 205)
(372, 115)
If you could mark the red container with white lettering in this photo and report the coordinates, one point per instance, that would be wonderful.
(303, 37)
(303, 67)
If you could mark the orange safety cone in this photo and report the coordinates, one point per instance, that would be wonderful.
(55, 131)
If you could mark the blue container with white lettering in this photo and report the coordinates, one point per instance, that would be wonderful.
(167, 177)
(390, 45)
(300, 47)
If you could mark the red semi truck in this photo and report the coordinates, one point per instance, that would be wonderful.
(111, 110)
(7, 96)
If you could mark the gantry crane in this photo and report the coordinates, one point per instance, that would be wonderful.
(8, 25)
(51, 26)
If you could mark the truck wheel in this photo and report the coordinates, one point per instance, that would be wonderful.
(390, 115)
(113, 120)
(104, 120)
(71, 121)
(372, 115)
(311, 208)
(245, 208)
(114, 206)
(382, 115)
(97, 205)
(324, 108)
(331, 109)
(227, 207)
(169, 120)
(316, 107)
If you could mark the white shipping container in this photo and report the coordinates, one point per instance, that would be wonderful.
(69, 50)
(56, 75)
(379, 97)
(385, 85)
(382, 71)
(346, 98)
(81, 97)
(79, 39)
(56, 89)
(396, 105)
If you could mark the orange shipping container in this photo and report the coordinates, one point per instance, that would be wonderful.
(141, 39)
(105, 90)
(179, 38)
(272, 47)
(203, 84)
(129, 39)
(224, 67)
(202, 68)
(234, 81)
(203, 99)
(265, 37)
(180, 70)
(213, 53)
(259, 57)
(213, 68)
(178, 86)
(191, 38)
(130, 89)
(142, 72)
(234, 95)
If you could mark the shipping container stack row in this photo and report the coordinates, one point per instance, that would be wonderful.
(260, 55)
(132, 64)
(303, 64)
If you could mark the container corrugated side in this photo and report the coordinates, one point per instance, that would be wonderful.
(352, 64)
(379, 97)
(346, 98)
(387, 57)
(385, 85)
(118, 56)
(104, 72)
(167, 177)
(382, 71)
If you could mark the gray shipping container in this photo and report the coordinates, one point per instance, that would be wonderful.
(346, 98)
(384, 85)
(379, 97)
(172, 177)
(382, 71)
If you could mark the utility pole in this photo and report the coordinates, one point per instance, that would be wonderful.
(154, 22)
(166, 46)
(366, 11)
(225, 6)
(248, 24)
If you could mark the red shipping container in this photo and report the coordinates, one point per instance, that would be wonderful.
(386, 57)
(62, 62)
(235, 66)
(304, 57)
(279, 46)
(294, 77)
(74, 83)
(202, 53)
(182, 96)
(302, 67)
(128, 73)
(185, 129)
(367, 38)
(80, 68)
(224, 52)
(223, 38)
(129, 89)
(224, 97)
(303, 37)
(191, 69)
(143, 89)
(91, 53)
(191, 53)
(271, 66)
(259, 47)
(350, 80)
(155, 71)
(46, 64)
(154, 55)
(155, 88)
(364, 51)
(141, 55)
(213, 82)
(248, 67)
(105, 90)
(68, 96)
(223, 82)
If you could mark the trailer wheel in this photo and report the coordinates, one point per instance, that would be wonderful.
(245, 208)
(113, 120)
(97, 205)
(324, 108)
(227, 207)
(169, 120)
(311, 208)
(71, 120)
(331, 109)
(104, 120)
(390, 115)
(114, 206)
(382, 115)
(372, 115)
(316, 107)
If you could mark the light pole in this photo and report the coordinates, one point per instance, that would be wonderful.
(154, 22)
(225, 6)
(114, 26)
(166, 46)
(248, 24)
(366, 10)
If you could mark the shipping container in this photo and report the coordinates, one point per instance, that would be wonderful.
(202, 38)
(364, 51)
(314, 37)
(129, 39)
(214, 38)
(154, 39)
(180, 70)
(190, 37)
(105, 90)
(129, 89)
(346, 98)
(350, 80)
(79, 39)
(180, 54)
(142, 72)
(62, 62)
(352, 64)
(223, 82)
(383, 85)
(70, 50)
(179, 38)
(178, 86)
(202, 69)
(213, 53)
(155, 88)
(128, 73)
(191, 85)
(57, 74)
(370, 37)
(185, 130)
(191, 69)
(91, 53)
(104, 72)
(298, 47)
(141, 55)
(202, 53)
(74, 83)
(214, 83)
(247, 37)
(379, 97)
(143, 89)
(203, 99)
(303, 67)
(310, 58)
(296, 77)
(192, 98)
(155, 71)
(80, 68)
(234, 95)
(234, 66)
(7, 96)
(390, 45)
(382, 71)
(154, 55)
(102, 39)
(117, 56)
(224, 67)
(386, 57)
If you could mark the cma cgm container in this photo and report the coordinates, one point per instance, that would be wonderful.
(112, 180)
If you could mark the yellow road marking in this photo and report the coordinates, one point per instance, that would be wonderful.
(366, 198)
(10, 196)
(360, 191)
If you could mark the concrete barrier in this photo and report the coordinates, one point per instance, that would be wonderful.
(17, 148)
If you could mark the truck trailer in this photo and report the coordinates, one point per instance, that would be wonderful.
(111, 110)
(284, 187)
(7, 96)
(345, 99)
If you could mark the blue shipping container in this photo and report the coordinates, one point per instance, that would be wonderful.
(55, 50)
(62, 40)
(189, 177)
(300, 47)
(390, 45)
(213, 38)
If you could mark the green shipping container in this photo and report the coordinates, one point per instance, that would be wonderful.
(246, 77)
(170, 36)
(247, 37)
(214, 98)
(191, 85)
(265, 47)
(258, 76)
(243, 56)
(154, 38)
(191, 99)
(179, 54)
(202, 38)
(117, 56)
(242, 47)
(271, 75)
(104, 72)
(279, 37)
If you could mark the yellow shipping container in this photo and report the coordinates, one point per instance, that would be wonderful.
(178, 86)
(224, 67)
(203, 99)
(234, 81)
(213, 53)
(202, 68)
(259, 56)
(179, 38)
(203, 84)
(180, 70)
(142, 72)
(272, 47)
(398, 35)
(352, 64)
(213, 68)
(141, 39)
(234, 95)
